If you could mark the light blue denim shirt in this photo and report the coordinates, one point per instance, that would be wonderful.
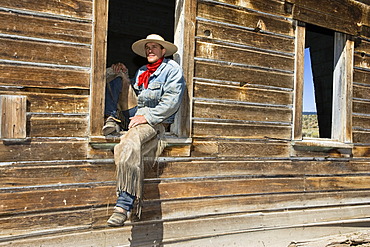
(161, 100)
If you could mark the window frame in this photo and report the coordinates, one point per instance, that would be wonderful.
(342, 92)
(184, 32)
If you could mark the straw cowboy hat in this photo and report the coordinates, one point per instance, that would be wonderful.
(139, 46)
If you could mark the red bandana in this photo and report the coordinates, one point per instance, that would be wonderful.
(151, 68)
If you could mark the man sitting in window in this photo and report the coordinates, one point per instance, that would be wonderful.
(159, 86)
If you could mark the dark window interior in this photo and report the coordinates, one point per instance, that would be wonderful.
(320, 41)
(130, 21)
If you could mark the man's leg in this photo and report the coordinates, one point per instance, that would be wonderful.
(112, 92)
(125, 203)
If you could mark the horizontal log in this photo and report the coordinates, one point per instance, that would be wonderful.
(362, 137)
(54, 174)
(40, 102)
(40, 224)
(241, 93)
(240, 112)
(269, 6)
(243, 56)
(244, 75)
(45, 28)
(47, 200)
(361, 60)
(361, 107)
(363, 46)
(239, 149)
(58, 126)
(29, 76)
(361, 76)
(326, 14)
(238, 130)
(74, 8)
(361, 151)
(260, 168)
(276, 229)
(361, 92)
(225, 33)
(337, 183)
(361, 121)
(43, 150)
(48, 53)
(245, 18)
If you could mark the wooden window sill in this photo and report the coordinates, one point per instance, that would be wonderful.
(322, 145)
(176, 146)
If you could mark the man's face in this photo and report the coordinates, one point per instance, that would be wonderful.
(154, 51)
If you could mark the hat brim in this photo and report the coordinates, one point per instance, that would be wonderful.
(139, 47)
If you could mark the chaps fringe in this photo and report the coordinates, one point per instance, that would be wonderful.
(140, 147)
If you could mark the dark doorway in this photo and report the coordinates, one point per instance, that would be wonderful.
(129, 21)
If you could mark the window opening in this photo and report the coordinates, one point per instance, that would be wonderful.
(129, 21)
(310, 126)
(320, 42)
(328, 55)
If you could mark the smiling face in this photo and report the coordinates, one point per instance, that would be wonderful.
(154, 51)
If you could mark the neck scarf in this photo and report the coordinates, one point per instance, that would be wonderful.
(151, 68)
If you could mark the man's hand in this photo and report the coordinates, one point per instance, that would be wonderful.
(137, 120)
(118, 67)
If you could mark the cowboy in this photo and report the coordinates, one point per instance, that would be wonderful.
(159, 86)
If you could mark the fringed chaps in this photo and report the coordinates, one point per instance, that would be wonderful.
(140, 146)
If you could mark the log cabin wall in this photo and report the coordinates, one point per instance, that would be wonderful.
(244, 182)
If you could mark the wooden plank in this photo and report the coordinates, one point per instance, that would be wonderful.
(243, 56)
(56, 103)
(185, 26)
(361, 137)
(55, 173)
(58, 126)
(360, 121)
(263, 229)
(244, 75)
(22, 225)
(236, 111)
(361, 60)
(337, 183)
(218, 187)
(42, 77)
(362, 46)
(241, 93)
(173, 209)
(43, 150)
(361, 107)
(13, 116)
(298, 83)
(361, 92)
(239, 149)
(45, 28)
(40, 52)
(221, 32)
(361, 76)
(274, 7)
(342, 91)
(98, 67)
(239, 130)
(62, 198)
(179, 209)
(361, 151)
(260, 168)
(245, 18)
(327, 14)
(73, 8)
